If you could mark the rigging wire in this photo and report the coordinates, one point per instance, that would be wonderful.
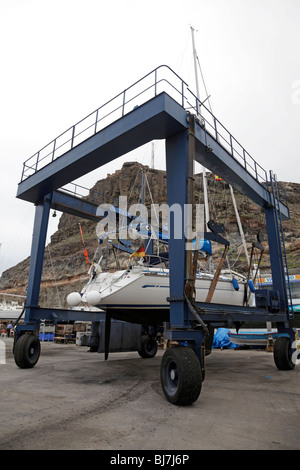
(53, 273)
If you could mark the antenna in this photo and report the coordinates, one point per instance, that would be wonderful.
(195, 63)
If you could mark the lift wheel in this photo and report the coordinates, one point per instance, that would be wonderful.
(283, 353)
(27, 351)
(180, 374)
(149, 347)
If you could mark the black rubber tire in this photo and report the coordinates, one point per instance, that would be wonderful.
(148, 348)
(180, 375)
(282, 353)
(27, 351)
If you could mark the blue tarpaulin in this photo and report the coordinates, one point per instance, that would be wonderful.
(222, 340)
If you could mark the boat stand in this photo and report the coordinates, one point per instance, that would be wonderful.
(165, 109)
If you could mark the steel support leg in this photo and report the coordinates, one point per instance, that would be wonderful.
(178, 171)
(286, 348)
(277, 267)
(42, 211)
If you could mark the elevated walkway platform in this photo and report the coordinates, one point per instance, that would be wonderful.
(145, 114)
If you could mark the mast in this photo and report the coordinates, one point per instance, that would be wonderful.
(195, 63)
(206, 208)
(239, 224)
(204, 170)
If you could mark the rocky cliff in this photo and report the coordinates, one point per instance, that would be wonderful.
(65, 268)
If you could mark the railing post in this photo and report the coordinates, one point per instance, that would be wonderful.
(155, 84)
(37, 160)
(255, 167)
(96, 121)
(245, 162)
(123, 103)
(215, 124)
(72, 139)
(231, 146)
(23, 172)
(54, 145)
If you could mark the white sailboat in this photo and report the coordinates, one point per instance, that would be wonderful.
(141, 292)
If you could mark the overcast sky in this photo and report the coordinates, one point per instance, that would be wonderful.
(61, 59)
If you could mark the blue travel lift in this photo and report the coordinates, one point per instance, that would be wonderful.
(159, 106)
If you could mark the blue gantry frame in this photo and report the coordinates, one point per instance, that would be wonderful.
(159, 106)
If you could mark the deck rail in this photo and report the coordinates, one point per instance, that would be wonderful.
(92, 195)
(161, 79)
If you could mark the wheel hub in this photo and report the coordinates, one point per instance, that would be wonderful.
(173, 374)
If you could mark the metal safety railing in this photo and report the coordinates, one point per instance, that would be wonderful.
(224, 138)
(140, 92)
(91, 195)
(161, 79)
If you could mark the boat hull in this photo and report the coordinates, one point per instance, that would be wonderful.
(142, 297)
(258, 338)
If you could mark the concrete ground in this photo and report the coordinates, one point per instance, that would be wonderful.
(73, 399)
